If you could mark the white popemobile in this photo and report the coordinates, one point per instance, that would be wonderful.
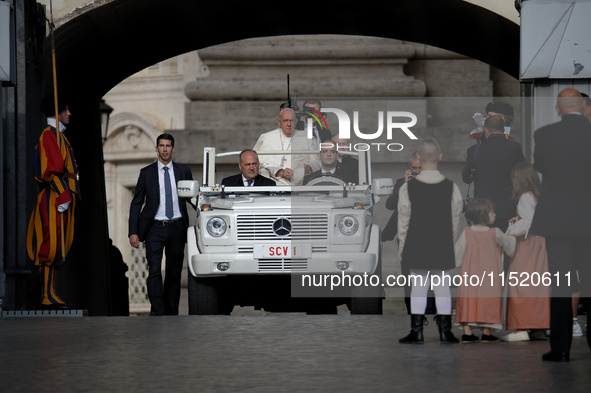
(275, 248)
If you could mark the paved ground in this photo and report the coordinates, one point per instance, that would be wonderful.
(268, 353)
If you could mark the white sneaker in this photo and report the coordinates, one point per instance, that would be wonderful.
(516, 336)
(577, 331)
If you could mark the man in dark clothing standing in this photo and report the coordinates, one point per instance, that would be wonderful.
(162, 223)
(563, 213)
(489, 165)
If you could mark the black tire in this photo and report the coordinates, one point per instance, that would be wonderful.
(319, 306)
(366, 306)
(368, 300)
(203, 296)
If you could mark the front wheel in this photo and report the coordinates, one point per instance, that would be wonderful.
(368, 299)
(366, 306)
(207, 296)
(203, 296)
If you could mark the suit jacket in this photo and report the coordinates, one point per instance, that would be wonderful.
(562, 156)
(391, 228)
(147, 193)
(492, 176)
(323, 133)
(392, 201)
(349, 167)
(236, 181)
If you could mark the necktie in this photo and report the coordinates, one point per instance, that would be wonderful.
(168, 194)
(250, 181)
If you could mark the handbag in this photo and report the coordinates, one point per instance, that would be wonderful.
(468, 198)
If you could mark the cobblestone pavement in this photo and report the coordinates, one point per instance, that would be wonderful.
(268, 353)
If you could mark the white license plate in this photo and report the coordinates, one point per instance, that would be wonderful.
(284, 250)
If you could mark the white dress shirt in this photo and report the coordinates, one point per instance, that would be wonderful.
(161, 213)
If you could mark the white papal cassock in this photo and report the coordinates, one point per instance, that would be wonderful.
(276, 140)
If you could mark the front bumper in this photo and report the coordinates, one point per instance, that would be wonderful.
(320, 262)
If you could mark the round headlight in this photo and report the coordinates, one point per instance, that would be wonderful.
(216, 226)
(348, 225)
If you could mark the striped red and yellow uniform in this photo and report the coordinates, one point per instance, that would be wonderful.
(56, 172)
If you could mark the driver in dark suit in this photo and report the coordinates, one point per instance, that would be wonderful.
(328, 163)
(249, 172)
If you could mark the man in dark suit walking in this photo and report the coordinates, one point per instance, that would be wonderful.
(249, 172)
(563, 213)
(489, 165)
(162, 224)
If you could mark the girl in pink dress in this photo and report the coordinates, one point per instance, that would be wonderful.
(479, 249)
(528, 298)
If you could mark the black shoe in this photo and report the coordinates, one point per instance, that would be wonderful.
(412, 338)
(469, 339)
(416, 332)
(556, 357)
(445, 334)
(489, 338)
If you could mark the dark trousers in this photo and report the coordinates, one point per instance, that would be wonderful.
(566, 256)
(170, 241)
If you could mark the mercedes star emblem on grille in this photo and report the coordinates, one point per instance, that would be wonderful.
(282, 227)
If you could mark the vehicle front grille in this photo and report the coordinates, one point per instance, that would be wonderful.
(259, 227)
(283, 265)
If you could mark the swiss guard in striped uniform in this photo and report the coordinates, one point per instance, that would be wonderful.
(56, 174)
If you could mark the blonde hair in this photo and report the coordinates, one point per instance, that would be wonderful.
(429, 150)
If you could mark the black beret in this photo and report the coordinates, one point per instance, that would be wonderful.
(500, 107)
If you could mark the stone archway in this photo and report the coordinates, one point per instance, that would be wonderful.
(98, 48)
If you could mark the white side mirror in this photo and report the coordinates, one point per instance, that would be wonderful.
(382, 186)
(188, 188)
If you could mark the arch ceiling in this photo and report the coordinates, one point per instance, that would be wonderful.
(103, 46)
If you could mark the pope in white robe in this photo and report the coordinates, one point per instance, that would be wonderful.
(287, 169)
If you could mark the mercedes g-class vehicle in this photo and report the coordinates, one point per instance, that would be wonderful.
(305, 248)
